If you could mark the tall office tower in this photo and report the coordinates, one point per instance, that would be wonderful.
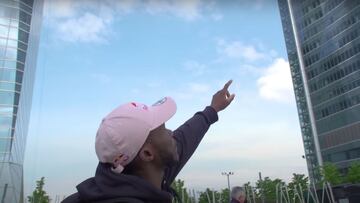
(323, 45)
(20, 22)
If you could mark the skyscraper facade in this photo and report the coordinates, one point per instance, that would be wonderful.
(20, 22)
(323, 45)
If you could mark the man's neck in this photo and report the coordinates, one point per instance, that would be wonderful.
(154, 175)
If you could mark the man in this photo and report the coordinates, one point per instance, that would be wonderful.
(139, 157)
(238, 195)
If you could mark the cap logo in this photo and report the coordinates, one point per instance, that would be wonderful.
(161, 101)
(141, 106)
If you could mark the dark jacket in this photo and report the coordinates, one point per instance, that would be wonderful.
(109, 187)
(235, 201)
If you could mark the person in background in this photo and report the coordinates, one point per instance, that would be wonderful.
(238, 195)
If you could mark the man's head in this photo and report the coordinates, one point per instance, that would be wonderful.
(136, 133)
(159, 149)
(237, 193)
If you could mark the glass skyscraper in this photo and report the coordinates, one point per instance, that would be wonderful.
(323, 44)
(20, 22)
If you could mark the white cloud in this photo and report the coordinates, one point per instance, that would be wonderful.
(59, 9)
(199, 88)
(80, 21)
(274, 148)
(245, 69)
(69, 8)
(237, 49)
(182, 95)
(275, 84)
(217, 16)
(187, 9)
(189, 91)
(125, 6)
(273, 53)
(91, 20)
(86, 28)
(195, 67)
(258, 4)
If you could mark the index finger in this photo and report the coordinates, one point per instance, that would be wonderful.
(226, 86)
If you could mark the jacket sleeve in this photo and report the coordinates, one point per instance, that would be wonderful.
(74, 198)
(188, 137)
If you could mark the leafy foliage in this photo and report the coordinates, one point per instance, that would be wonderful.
(214, 196)
(39, 195)
(331, 174)
(298, 184)
(178, 186)
(267, 187)
(353, 175)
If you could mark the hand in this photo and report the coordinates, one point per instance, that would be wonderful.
(222, 98)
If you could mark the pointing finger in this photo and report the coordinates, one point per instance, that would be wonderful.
(226, 86)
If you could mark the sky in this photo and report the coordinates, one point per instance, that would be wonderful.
(96, 55)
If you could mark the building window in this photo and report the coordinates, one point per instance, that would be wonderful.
(5, 120)
(336, 106)
(8, 64)
(7, 97)
(24, 17)
(5, 140)
(23, 36)
(335, 59)
(9, 86)
(354, 153)
(9, 12)
(7, 74)
(19, 76)
(340, 156)
(11, 53)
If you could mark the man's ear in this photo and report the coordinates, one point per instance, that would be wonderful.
(146, 153)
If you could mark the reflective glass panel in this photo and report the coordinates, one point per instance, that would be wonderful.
(6, 109)
(8, 12)
(11, 53)
(4, 30)
(4, 142)
(13, 34)
(5, 120)
(4, 21)
(7, 86)
(7, 97)
(7, 74)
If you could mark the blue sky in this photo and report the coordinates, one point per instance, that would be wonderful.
(95, 55)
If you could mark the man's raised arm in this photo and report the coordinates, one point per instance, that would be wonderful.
(189, 135)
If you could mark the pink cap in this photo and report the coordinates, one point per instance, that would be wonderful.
(123, 132)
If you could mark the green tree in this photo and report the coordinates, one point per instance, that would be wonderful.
(205, 196)
(298, 181)
(178, 186)
(39, 195)
(267, 187)
(251, 192)
(353, 175)
(331, 174)
(210, 196)
(224, 197)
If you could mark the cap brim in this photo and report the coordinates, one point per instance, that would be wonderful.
(162, 111)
